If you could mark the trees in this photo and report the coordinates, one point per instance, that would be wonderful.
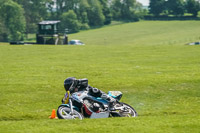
(64, 6)
(3, 31)
(95, 14)
(125, 9)
(69, 21)
(106, 11)
(193, 6)
(82, 14)
(13, 20)
(19, 16)
(176, 7)
(34, 11)
(126, 5)
(116, 9)
(88, 12)
(157, 7)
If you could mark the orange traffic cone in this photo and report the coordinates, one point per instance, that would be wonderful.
(53, 114)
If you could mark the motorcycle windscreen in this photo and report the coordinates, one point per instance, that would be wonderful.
(115, 94)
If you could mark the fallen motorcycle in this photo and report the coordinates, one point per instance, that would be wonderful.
(81, 105)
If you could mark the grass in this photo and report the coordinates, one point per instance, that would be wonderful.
(148, 61)
(143, 33)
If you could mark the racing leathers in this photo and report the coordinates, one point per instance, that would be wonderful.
(91, 91)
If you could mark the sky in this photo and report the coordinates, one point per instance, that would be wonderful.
(144, 2)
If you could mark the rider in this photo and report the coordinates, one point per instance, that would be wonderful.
(72, 85)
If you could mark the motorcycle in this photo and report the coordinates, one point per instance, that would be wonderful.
(81, 105)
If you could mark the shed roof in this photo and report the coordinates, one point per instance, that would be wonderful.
(49, 22)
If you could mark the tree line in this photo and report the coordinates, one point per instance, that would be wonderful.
(20, 17)
(174, 7)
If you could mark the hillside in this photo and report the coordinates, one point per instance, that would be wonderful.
(143, 33)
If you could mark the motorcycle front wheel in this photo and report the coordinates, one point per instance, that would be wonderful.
(64, 112)
(127, 110)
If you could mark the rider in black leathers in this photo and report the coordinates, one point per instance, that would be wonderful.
(72, 85)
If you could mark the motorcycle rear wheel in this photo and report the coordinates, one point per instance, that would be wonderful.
(64, 112)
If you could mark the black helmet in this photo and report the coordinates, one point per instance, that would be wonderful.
(70, 84)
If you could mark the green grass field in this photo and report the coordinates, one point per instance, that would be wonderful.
(148, 61)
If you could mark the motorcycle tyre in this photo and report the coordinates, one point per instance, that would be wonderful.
(67, 109)
(133, 110)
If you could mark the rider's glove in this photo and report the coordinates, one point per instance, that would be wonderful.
(112, 99)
